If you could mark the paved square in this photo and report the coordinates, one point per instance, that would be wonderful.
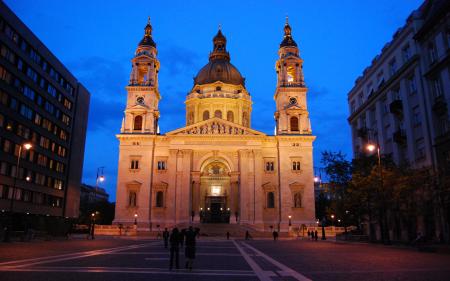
(217, 259)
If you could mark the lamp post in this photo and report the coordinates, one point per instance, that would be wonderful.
(26, 146)
(100, 178)
(93, 226)
(290, 222)
(380, 192)
(323, 229)
(332, 219)
(135, 220)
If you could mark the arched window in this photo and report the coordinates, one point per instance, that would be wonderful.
(294, 124)
(205, 115)
(218, 114)
(159, 199)
(297, 200)
(138, 122)
(230, 116)
(132, 199)
(245, 119)
(270, 200)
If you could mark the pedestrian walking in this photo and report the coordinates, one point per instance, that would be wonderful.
(275, 235)
(309, 234)
(316, 236)
(166, 237)
(190, 247)
(247, 235)
(174, 248)
(228, 235)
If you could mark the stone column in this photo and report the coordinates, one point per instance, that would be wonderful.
(195, 200)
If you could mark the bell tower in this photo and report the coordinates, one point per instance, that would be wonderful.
(141, 113)
(291, 113)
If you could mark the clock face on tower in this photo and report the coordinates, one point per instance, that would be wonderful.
(140, 100)
(292, 101)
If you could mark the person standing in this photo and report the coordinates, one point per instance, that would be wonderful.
(182, 232)
(247, 235)
(228, 235)
(309, 234)
(190, 247)
(166, 237)
(275, 235)
(174, 248)
(316, 236)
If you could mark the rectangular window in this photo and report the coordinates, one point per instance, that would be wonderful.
(35, 56)
(269, 167)
(29, 93)
(37, 119)
(44, 142)
(7, 54)
(420, 149)
(134, 164)
(296, 165)
(26, 112)
(392, 67)
(32, 74)
(3, 98)
(51, 90)
(406, 53)
(63, 135)
(436, 88)
(58, 184)
(49, 107)
(5, 75)
(161, 165)
(66, 119)
(67, 104)
(432, 53)
(42, 160)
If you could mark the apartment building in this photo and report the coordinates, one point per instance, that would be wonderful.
(44, 106)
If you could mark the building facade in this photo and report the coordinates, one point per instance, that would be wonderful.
(401, 100)
(216, 168)
(43, 104)
(92, 194)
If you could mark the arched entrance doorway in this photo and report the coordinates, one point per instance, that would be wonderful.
(215, 193)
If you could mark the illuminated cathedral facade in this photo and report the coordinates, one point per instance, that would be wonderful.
(216, 169)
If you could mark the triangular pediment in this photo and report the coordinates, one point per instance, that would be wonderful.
(215, 126)
(133, 182)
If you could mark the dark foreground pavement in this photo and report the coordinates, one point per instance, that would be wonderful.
(126, 259)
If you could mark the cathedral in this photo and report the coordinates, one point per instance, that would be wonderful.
(216, 169)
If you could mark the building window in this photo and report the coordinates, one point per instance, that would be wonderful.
(161, 165)
(218, 114)
(294, 124)
(296, 165)
(138, 123)
(436, 88)
(134, 164)
(297, 200)
(420, 149)
(406, 53)
(159, 199)
(269, 166)
(26, 112)
(132, 199)
(230, 116)
(392, 67)
(352, 107)
(412, 85)
(205, 115)
(270, 200)
(432, 53)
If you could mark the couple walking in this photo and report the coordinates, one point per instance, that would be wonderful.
(175, 240)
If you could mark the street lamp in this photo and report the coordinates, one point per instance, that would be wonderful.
(290, 223)
(135, 219)
(384, 235)
(332, 220)
(93, 226)
(26, 146)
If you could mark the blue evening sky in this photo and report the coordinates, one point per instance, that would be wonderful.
(97, 39)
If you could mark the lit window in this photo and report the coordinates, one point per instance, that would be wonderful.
(216, 190)
(161, 165)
